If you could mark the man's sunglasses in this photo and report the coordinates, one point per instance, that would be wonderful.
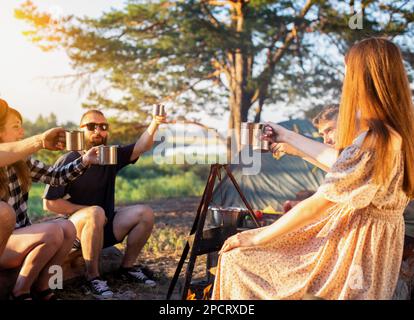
(93, 126)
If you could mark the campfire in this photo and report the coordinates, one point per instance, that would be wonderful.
(199, 291)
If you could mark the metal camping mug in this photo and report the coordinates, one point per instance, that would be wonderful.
(108, 155)
(259, 144)
(246, 135)
(158, 110)
(75, 140)
(250, 136)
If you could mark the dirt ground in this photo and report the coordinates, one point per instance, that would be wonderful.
(175, 215)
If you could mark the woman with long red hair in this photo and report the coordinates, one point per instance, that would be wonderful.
(345, 241)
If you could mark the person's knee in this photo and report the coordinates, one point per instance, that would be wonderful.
(147, 216)
(69, 230)
(53, 235)
(96, 216)
(7, 216)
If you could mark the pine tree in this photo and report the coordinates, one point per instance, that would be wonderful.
(218, 55)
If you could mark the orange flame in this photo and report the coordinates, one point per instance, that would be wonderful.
(213, 270)
(206, 292)
(191, 295)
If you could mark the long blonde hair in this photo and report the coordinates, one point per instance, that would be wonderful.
(376, 85)
(20, 167)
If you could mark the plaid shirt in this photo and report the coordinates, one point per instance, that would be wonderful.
(40, 172)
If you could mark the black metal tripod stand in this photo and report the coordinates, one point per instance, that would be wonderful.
(205, 241)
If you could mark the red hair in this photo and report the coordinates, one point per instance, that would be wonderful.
(376, 85)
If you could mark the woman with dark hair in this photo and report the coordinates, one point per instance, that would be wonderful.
(345, 241)
(34, 248)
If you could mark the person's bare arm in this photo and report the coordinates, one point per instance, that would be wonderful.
(61, 206)
(304, 213)
(316, 163)
(12, 152)
(146, 140)
(323, 154)
(285, 148)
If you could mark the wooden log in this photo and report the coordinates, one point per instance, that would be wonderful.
(74, 265)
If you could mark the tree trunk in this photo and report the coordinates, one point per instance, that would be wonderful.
(258, 115)
(239, 71)
(230, 130)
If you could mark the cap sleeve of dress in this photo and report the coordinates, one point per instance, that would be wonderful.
(350, 179)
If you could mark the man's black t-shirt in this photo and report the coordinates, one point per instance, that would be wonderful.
(96, 187)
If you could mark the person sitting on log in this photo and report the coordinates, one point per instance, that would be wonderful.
(12, 152)
(34, 248)
(89, 202)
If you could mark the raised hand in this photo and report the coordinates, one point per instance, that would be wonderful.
(53, 139)
(160, 119)
(285, 148)
(274, 133)
(91, 156)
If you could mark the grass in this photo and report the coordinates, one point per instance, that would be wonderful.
(165, 240)
(35, 201)
(130, 191)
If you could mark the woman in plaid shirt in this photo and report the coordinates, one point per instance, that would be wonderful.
(36, 247)
(14, 151)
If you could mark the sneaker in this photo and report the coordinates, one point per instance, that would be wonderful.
(99, 288)
(135, 274)
(148, 272)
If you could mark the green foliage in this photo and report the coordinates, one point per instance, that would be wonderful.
(123, 132)
(186, 184)
(35, 210)
(48, 157)
(43, 123)
(146, 168)
(40, 125)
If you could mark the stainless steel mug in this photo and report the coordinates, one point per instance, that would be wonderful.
(258, 144)
(246, 134)
(158, 110)
(75, 140)
(108, 155)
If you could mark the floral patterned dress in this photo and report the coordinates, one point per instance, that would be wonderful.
(353, 252)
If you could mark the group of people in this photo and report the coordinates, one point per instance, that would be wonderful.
(81, 194)
(343, 242)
